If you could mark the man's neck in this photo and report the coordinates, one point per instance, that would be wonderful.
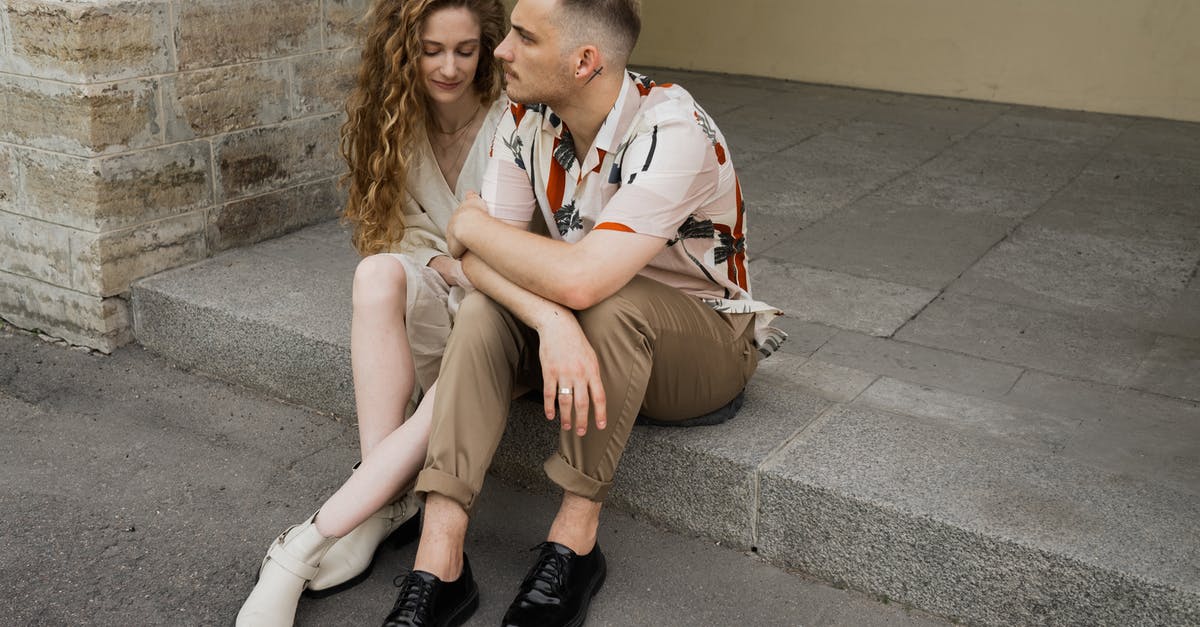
(585, 111)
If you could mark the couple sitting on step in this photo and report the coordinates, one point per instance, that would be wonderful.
(636, 303)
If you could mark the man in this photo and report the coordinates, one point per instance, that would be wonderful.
(638, 302)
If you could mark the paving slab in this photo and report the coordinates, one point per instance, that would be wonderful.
(932, 113)
(1069, 127)
(1053, 342)
(1160, 138)
(919, 364)
(149, 499)
(1131, 281)
(839, 300)
(950, 520)
(1078, 208)
(1172, 368)
(804, 338)
(908, 245)
(995, 161)
(288, 335)
(950, 194)
(1162, 446)
(817, 177)
(1158, 179)
(1124, 430)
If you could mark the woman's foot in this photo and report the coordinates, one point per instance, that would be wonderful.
(291, 562)
(349, 561)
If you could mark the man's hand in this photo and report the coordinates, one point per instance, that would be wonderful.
(568, 362)
(450, 270)
(461, 223)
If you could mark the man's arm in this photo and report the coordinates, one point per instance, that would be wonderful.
(574, 275)
(566, 356)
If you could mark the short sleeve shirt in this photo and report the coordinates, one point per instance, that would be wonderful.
(658, 166)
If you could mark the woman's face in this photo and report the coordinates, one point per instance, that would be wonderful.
(450, 43)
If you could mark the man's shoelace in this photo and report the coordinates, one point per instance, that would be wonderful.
(415, 596)
(550, 570)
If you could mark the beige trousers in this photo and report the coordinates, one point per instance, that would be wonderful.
(661, 352)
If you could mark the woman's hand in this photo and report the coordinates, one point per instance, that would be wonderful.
(461, 223)
(450, 270)
(569, 363)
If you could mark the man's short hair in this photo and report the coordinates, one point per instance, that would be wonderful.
(611, 25)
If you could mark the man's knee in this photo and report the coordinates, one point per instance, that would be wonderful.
(623, 312)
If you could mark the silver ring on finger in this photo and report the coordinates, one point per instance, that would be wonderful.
(565, 390)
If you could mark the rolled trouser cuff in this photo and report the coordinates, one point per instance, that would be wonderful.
(573, 480)
(447, 485)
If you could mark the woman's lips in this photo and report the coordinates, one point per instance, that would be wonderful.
(447, 86)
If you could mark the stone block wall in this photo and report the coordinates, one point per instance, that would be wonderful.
(141, 135)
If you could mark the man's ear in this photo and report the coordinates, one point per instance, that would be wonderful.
(588, 60)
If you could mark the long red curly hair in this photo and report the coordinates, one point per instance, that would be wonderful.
(389, 109)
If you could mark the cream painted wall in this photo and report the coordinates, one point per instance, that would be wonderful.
(1137, 57)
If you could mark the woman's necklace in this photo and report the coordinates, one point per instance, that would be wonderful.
(451, 170)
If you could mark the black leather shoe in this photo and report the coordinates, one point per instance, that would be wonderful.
(426, 601)
(558, 589)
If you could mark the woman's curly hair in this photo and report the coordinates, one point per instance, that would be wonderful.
(389, 110)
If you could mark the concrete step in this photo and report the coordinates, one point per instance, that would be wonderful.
(976, 490)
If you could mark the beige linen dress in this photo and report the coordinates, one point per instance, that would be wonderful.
(431, 303)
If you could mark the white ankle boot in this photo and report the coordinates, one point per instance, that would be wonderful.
(349, 560)
(290, 564)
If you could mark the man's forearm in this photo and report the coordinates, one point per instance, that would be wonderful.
(527, 306)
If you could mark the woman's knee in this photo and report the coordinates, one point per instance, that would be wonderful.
(380, 280)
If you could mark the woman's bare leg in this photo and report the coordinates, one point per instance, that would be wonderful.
(379, 352)
(392, 465)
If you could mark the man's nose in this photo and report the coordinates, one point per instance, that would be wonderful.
(502, 51)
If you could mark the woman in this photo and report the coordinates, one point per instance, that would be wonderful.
(420, 126)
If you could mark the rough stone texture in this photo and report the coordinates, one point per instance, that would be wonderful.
(831, 381)
(926, 248)
(208, 102)
(804, 338)
(177, 312)
(1070, 127)
(270, 158)
(835, 299)
(1128, 431)
(950, 194)
(1078, 209)
(1126, 280)
(35, 249)
(270, 215)
(343, 22)
(323, 81)
(918, 364)
(948, 520)
(1159, 138)
(995, 161)
(82, 120)
(221, 32)
(117, 192)
(1095, 350)
(87, 42)
(1171, 368)
(107, 263)
(8, 179)
(104, 103)
(102, 323)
